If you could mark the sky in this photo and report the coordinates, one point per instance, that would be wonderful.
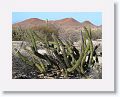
(93, 17)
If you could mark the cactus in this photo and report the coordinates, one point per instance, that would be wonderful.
(63, 56)
(63, 50)
(56, 42)
(41, 68)
(25, 59)
(32, 38)
(91, 44)
(80, 61)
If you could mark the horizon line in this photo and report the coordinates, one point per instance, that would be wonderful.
(56, 20)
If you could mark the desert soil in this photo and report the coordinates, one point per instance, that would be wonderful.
(20, 70)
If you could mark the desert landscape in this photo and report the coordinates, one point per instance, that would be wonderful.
(56, 49)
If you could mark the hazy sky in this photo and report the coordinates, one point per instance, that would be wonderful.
(93, 17)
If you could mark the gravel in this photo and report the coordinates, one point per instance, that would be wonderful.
(21, 70)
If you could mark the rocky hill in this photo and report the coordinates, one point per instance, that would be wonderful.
(69, 27)
(69, 23)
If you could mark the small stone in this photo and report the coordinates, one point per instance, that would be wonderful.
(41, 76)
(50, 77)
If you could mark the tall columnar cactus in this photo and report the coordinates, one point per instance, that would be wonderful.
(63, 51)
(88, 33)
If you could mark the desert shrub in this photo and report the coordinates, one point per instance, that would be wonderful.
(19, 34)
(97, 34)
(45, 31)
(62, 56)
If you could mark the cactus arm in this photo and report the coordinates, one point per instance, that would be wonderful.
(70, 51)
(47, 48)
(43, 67)
(83, 59)
(56, 42)
(25, 59)
(33, 41)
(39, 68)
(61, 62)
(61, 65)
(91, 50)
(63, 52)
(82, 39)
(78, 62)
(91, 45)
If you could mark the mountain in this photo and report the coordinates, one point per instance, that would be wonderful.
(68, 27)
(66, 23)
(30, 23)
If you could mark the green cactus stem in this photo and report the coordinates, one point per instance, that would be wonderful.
(25, 59)
(56, 42)
(63, 50)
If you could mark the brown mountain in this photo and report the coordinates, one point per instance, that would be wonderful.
(30, 23)
(66, 23)
(69, 27)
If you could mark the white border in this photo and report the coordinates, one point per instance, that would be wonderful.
(104, 84)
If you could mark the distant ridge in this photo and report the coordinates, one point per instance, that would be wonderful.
(62, 22)
(68, 27)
